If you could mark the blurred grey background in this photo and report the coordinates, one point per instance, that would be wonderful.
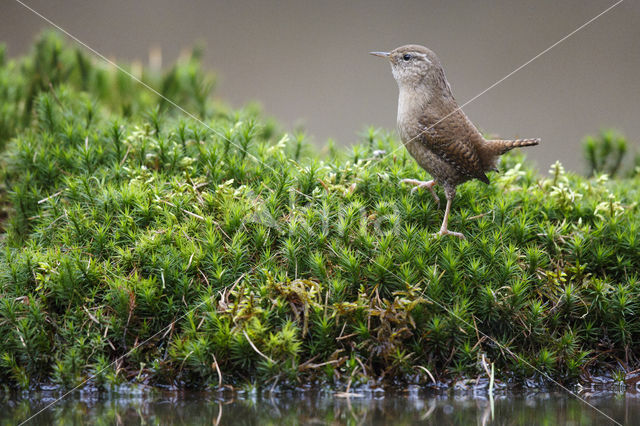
(306, 62)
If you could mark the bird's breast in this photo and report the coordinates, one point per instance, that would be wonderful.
(416, 138)
(407, 107)
(412, 104)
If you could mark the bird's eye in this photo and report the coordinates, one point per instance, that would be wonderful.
(407, 57)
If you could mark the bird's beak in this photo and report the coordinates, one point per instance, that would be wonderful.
(381, 54)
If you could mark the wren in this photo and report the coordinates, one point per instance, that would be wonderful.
(436, 131)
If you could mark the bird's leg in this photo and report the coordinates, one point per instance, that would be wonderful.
(443, 229)
(423, 184)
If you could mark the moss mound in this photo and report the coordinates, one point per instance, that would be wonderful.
(141, 246)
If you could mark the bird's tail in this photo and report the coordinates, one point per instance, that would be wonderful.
(499, 146)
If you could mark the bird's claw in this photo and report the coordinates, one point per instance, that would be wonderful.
(417, 184)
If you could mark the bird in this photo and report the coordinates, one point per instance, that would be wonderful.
(436, 131)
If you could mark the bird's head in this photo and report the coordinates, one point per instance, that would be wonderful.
(412, 64)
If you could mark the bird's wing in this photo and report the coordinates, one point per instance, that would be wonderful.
(455, 140)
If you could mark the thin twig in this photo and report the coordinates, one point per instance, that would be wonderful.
(256, 349)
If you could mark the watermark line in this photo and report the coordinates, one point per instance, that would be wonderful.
(501, 346)
(145, 85)
(581, 27)
(164, 329)
(193, 116)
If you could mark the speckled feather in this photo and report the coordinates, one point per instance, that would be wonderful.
(435, 131)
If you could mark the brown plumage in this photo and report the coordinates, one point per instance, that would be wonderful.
(435, 131)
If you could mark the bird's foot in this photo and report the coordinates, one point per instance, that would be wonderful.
(452, 233)
(423, 184)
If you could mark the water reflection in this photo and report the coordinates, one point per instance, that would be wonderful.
(317, 408)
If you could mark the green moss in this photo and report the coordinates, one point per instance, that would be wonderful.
(606, 152)
(193, 252)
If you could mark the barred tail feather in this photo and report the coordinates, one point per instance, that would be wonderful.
(494, 148)
(499, 147)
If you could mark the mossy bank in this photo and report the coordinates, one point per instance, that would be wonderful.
(141, 245)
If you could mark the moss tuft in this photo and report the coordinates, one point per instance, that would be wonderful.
(143, 246)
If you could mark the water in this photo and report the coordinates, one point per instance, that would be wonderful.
(409, 406)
